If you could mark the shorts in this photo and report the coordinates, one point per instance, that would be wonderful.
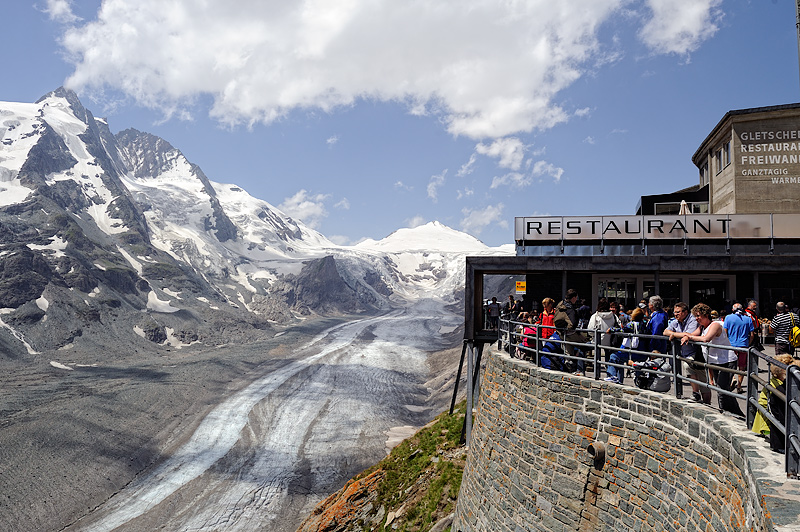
(742, 360)
(697, 373)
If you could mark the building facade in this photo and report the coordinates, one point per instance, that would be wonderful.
(733, 236)
(751, 161)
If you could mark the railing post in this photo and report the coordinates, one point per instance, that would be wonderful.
(752, 386)
(537, 354)
(792, 422)
(677, 371)
(597, 355)
(458, 377)
(468, 418)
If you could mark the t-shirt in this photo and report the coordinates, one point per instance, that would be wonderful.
(782, 325)
(689, 325)
(739, 327)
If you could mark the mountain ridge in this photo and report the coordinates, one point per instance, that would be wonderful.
(109, 240)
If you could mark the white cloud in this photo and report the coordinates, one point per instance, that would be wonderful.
(487, 69)
(680, 26)
(343, 204)
(466, 168)
(434, 184)
(465, 193)
(416, 221)
(589, 140)
(582, 112)
(515, 179)
(403, 186)
(476, 220)
(541, 168)
(510, 152)
(332, 140)
(61, 11)
(310, 209)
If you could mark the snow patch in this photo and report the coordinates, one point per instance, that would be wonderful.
(174, 341)
(42, 303)
(60, 365)
(156, 305)
(133, 262)
(57, 246)
(16, 334)
(107, 224)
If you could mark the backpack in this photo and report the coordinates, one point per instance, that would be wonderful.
(651, 381)
(794, 334)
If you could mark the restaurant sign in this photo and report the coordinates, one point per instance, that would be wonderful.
(690, 226)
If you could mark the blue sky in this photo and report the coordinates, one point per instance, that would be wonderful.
(361, 117)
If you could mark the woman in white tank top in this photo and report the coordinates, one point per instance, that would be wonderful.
(712, 332)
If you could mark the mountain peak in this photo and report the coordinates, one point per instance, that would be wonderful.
(430, 236)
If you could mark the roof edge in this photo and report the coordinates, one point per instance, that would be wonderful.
(738, 112)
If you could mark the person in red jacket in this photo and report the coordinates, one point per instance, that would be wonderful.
(546, 318)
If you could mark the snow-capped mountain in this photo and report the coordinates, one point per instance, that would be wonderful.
(108, 237)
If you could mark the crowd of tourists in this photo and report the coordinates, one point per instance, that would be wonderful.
(566, 332)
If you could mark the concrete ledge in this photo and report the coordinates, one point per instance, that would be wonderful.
(669, 464)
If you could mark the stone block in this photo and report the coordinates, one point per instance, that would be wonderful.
(588, 420)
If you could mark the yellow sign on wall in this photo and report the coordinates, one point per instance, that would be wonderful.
(520, 287)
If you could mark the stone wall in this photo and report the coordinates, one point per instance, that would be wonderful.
(669, 464)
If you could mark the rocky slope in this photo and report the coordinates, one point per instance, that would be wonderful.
(412, 489)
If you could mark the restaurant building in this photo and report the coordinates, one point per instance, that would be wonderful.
(733, 236)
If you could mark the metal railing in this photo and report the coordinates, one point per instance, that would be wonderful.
(513, 339)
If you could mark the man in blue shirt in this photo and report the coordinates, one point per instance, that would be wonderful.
(682, 325)
(740, 333)
(657, 324)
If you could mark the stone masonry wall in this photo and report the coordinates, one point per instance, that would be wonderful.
(669, 465)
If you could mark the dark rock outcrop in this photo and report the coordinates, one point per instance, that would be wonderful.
(321, 288)
(23, 277)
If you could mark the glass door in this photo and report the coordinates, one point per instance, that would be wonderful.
(712, 292)
(668, 289)
(620, 290)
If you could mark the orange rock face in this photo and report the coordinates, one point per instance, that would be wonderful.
(345, 507)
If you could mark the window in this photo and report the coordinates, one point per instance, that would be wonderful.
(704, 174)
(722, 157)
(674, 208)
(667, 208)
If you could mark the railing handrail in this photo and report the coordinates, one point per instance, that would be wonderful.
(790, 427)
